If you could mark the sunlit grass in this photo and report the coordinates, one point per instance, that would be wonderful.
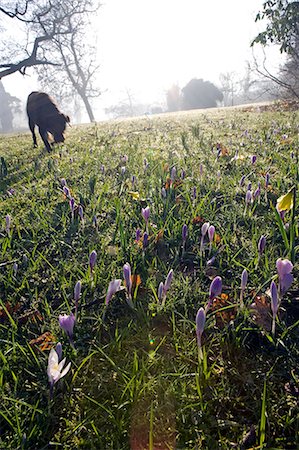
(136, 379)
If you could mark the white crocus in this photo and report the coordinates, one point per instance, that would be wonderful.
(55, 369)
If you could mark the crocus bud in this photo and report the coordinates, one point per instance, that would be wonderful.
(248, 197)
(58, 349)
(92, 260)
(66, 191)
(184, 232)
(205, 228)
(114, 286)
(211, 232)
(267, 179)
(63, 182)
(77, 291)
(127, 277)
(261, 245)
(145, 213)
(80, 212)
(168, 281)
(163, 192)
(72, 204)
(215, 288)
(200, 322)
(138, 234)
(242, 181)
(145, 240)
(160, 291)
(173, 173)
(253, 159)
(244, 279)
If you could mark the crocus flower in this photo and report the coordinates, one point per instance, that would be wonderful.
(261, 245)
(55, 369)
(211, 233)
(92, 260)
(138, 234)
(173, 173)
(253, 159)
(133, 181)
(163, 192)
(77, 293)
(215, 290)
(72, 206)
(114, 286)
(63, 182)
(267, 180)
(145, 240)
(194, 193)
(274, 304)
(284, 268)
(67, 323)
(183, 174)
(58, 349)
(80, 212)
(244, 279)
(7, 223)
(184, 232)
(168, 281)
(161, 291)
(200, 324)
(242, 181)
(66, 191)
(257, 193)
(285, 202)
(128, 280)
(145, 213)
(204, 230)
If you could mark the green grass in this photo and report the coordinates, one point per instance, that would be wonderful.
(136, 380)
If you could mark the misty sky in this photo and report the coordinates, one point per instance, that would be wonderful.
(145, 46)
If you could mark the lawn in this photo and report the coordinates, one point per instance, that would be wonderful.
(140, 193)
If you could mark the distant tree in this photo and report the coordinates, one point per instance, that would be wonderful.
(57, 43)
(200, 94)
(8, 106)
(229, 87)
(173, 98)
(282, 29)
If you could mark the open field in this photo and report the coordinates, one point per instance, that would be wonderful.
(137, 378)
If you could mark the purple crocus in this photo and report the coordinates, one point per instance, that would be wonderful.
(215, 290)
(163, 192)
(168, 281)
(133, 181)
(244, 279)
(77, 293)
(284, 268)
(200, 324)
(211, 233)
(204, 230)
(193, 195)
(184, 232)
(81, 213)
(72, 206)
(58, 349)
(267, 180)
(261, 245)
(138, 234)
(67, 323)
(242, 181)
(146, 213)
(66, 192)
(128, 281)
(114, 286)
(63, 182)
(274, 304)
(253, 159)
(145, 240)
(161, 291)
(92, 260)
(173, 173)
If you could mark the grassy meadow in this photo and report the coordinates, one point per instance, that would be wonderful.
(138, 378)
